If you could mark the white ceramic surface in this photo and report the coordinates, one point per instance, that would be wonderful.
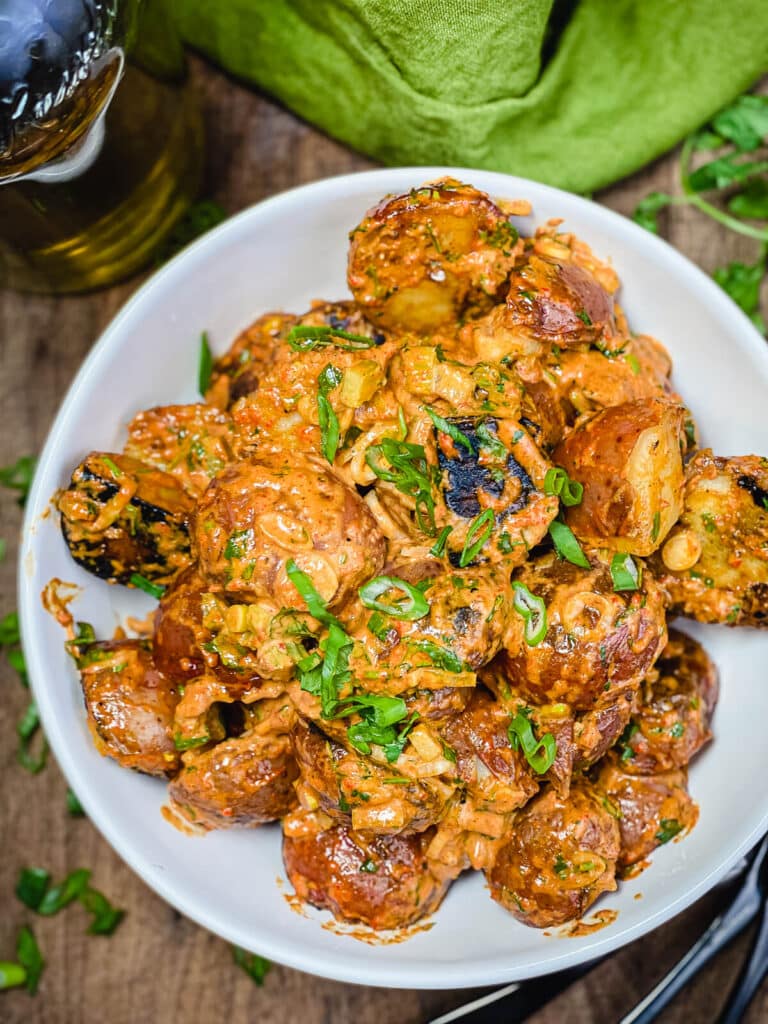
(281, 254)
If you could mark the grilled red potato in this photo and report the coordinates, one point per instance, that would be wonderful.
(714, 564)
(384, 882)
(628, 459)
(419, 260)
(560, 857)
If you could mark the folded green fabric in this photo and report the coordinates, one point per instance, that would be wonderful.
(577, 94)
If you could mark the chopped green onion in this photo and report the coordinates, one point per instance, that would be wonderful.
(305, 338)
(370, 867)
(557, 482)
(142, 583)
(30, 958)
(11, 975)
(452, 431)
(566, 544)
(534, 612)
(18, 477)
(105, 917)
(473, 544)
(669, 828)
(112, 467)
(312, 599)
(656, 526)
(584, 316)
(438, 548)
(539, 753)
(189, 742)
(378, 626)
(255, 966)
(32, 886)
(415, 607)
(74, 807)
(329, 428)
(631, 360)
(205, 365)
(440, 656)
(489, 440)
(410, 474)
(61, 895)
(626, 573)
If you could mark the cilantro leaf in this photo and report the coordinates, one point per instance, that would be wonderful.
(18, 477)
(742, 282)
(752, 201)
(724, 171)
(648, 209)
(744, 122)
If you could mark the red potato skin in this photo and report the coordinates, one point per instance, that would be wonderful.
(617, 635)
(644, 802)
(676, 704)
(613, 512)
(524, 878)
(328, 526)
(130, 706)
(382, 881)
(242, 781)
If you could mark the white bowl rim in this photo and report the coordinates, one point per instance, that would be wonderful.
(324, 964)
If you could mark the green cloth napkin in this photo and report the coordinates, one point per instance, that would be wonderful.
(577, 94)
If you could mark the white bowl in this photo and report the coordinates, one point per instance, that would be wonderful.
(281, 254)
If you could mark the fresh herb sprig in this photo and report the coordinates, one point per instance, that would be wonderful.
(730, 186)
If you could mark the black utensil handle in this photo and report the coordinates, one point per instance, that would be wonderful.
(752, 974)
(700, 953)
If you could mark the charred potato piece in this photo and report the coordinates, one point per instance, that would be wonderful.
(597, 641)
(628, 458)
(130, 705)
(560, 857)
(239, 371)
(381, 881)
(419, 260)
(258, 515)
(714, 564)
(495, 492)
(353, 789)
(676, 705)
(463, 628)
(651, 809)
(191, 442)
(120, 517)
(549, 303)
(245, 779)
(497, 778)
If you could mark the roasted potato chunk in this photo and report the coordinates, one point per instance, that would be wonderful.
(714, 564)
(676, 704)
(245, 779)
(120, 517)
(628, 458)
(239, 371)
(548, 303)
(130, 704)
(351, 788)
(560, 857)
(258, 515)
(650, 809)
(495, 491)
(419, 260)
(497, 779)
(597, 641)
(384, 882)
(191, 442)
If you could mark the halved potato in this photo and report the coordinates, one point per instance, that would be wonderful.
(629, 460)
(418, 260)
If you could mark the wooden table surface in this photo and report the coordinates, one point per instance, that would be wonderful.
(158, 967)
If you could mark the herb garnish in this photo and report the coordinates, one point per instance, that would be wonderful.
(306, 338)
(539, 753)
(478, 533)
(255, 966)
(413, 606)
(557, 482)
(328, 379)
(534, 612)
(205, 365)
(18, 477)
(409, 471)
(450, 429)
(627, 574)
(566, 544)
(142, 583)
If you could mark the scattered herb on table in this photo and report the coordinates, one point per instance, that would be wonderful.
(724, 177)
(255, 966)
(198, 219)
(18, 477)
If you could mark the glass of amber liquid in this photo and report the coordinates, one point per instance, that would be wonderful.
(101, 140)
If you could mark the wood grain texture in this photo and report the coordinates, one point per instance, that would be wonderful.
(159, 967)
